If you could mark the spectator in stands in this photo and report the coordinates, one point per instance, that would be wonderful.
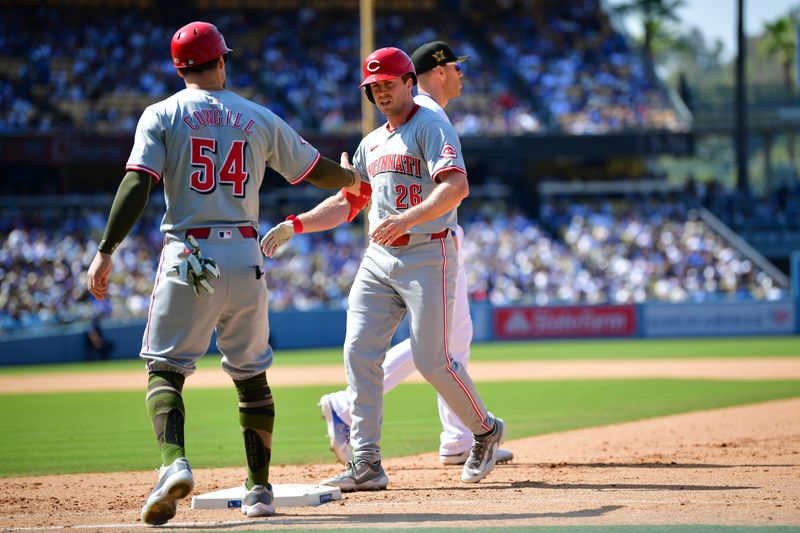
(98, 346)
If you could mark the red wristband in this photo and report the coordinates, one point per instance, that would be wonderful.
(298, 226)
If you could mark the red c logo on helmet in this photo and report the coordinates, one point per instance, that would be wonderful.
(387, 63)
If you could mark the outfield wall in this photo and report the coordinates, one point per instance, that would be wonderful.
(656, 320)
(317, 329)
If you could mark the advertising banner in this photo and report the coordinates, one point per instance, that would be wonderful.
(734, 318)
(565, 322)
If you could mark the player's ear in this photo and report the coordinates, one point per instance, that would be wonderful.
(180, 72)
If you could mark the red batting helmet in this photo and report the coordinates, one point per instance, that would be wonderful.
(385, 64)
(197, 43)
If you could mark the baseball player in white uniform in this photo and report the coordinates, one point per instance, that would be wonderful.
(209, 147)
(439, 77)
(413, 172)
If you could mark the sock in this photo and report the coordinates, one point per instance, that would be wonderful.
(165, 407)
(256, 418)
(483, 435)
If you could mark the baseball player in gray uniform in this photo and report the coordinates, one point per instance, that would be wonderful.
(209, 147)
(413, 172)
(439, 75)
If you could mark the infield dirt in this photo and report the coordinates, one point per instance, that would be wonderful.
(733, 466)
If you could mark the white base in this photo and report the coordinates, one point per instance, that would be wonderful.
(287, 495)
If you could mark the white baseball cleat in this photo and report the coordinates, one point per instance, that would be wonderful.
(338, 431)
(258, 501)
(174, 482)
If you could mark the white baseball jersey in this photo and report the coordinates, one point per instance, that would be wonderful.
(401, 166)
(427, 101)
(211, 148)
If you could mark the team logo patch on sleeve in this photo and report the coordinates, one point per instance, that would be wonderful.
(449, 152)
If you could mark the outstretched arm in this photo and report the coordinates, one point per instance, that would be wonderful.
(328, 175)
(328, 214)
(331, 212)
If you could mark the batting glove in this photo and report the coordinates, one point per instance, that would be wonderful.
(277, 237)
(195, 268)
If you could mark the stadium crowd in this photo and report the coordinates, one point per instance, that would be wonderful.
(587, 252)
(584, 74)
(67, 69)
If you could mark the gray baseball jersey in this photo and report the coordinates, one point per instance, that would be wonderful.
(418, 279)
(401, 166)
(210, 149)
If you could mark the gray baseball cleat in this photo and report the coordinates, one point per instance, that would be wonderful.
(359, 475)
(258, 501)
(338, 431)
(501, 456)
(482, 456)
(174, 482)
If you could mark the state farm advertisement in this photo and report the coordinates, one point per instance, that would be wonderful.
(553, 322)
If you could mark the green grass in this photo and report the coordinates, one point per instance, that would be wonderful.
(110, 431)
(506, 351)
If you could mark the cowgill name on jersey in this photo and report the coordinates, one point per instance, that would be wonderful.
(399, 163)
(216, 118)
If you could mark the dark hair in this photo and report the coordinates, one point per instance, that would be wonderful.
(407, 76)
(203, 67)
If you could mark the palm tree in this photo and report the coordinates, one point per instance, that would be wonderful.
(653, 14)
(778, 42)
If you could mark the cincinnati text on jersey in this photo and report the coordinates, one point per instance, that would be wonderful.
(399, 163)
(215, 117)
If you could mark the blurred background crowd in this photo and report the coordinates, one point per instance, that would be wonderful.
(558, 68)
(624, 250)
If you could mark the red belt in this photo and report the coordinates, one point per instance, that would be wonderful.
(248, 232)
(402, 240)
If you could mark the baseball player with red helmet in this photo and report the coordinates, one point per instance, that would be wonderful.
(209, 147)
(439, 75)
(413, 172)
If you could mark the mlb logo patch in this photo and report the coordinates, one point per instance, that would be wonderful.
(449, 152)
(225, 234)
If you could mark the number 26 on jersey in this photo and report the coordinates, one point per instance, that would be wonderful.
(407, 196)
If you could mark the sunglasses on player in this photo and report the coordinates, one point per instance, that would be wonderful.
(455, 64)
